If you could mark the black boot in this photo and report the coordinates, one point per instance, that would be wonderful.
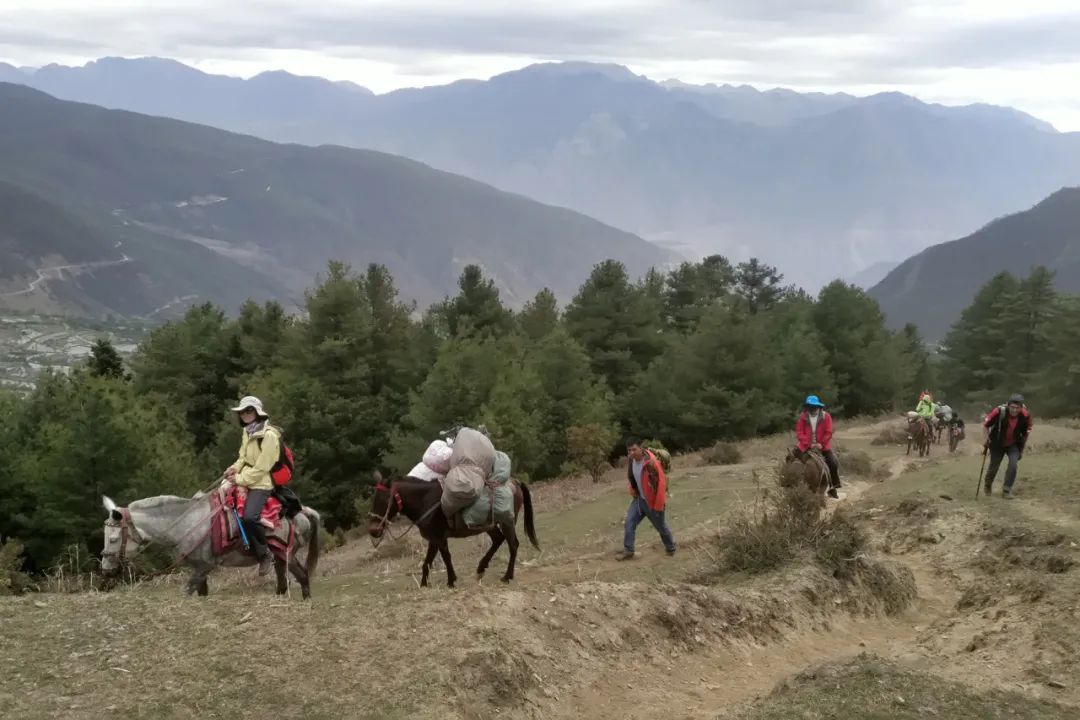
(257, 538)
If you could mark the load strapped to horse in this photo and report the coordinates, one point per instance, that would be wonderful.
(808, 468)
(472, 494)
(919, 434)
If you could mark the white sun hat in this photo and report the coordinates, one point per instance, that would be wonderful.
(250, 401)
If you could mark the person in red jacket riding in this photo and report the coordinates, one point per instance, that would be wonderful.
(1006, 431)
(814, 431)
(648, 486)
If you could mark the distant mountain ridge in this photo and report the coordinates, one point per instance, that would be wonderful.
(820, 185)
(206, 214)
(932, 288)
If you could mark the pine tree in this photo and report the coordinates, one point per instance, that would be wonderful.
(540, 316)
(759, 285)
(976, 351)
(477, 309)
(693, 288)
(104, 361)
(616, 323)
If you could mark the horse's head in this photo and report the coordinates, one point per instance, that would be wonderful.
(122, 541)
(385, 505)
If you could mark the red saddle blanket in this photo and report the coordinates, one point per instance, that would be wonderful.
(225, 530)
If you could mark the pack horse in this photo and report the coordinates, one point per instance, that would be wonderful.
(203, 534)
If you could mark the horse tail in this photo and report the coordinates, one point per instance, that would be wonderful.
(530, 526)
(313, 548)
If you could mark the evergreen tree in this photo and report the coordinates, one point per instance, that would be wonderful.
(104, 361)
(977, 366)
(693, 288)
(617, 324)
(759, 285)
(477, 309)
(859, 349)
(540, 316)
(197, 363)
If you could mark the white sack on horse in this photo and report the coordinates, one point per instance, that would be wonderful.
(437, 457)
(422, 472)
(471, 464)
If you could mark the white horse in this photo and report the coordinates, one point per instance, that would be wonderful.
(183, 524)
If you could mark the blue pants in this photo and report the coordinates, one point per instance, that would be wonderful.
(638, 511)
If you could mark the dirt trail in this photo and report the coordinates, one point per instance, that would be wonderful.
(695, 686)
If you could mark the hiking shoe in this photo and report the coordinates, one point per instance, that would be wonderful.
(265, 564)
(625, 555)
(1007, 494)
(833, 494)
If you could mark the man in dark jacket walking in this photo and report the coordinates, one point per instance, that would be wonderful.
(1006, 429)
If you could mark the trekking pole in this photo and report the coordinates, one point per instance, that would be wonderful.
(240, 524)
(981, 469)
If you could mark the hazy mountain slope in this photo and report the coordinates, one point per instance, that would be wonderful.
(821, 185)
(933, 287)
(284, 210)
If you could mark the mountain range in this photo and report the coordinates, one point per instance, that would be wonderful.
(820, 185)
(932, 288)
(134, 212)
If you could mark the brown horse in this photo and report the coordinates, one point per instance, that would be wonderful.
(420, 502)
(809, 468)
(919, 435)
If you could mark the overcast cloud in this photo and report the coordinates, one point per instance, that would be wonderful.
(1025, 54)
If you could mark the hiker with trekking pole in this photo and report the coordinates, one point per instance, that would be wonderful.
(1006, 430)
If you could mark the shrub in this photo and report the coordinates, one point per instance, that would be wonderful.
(857, 463)
(588, 447)
(12, 580)
(723, 453)
(891, 435)
(839, 546)
(786, 524)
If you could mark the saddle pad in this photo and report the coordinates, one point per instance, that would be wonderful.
(225, 532)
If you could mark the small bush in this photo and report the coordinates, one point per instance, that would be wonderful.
(12, 580)
(857, 463)
(839, 546)
(723, 453)
(891, 435)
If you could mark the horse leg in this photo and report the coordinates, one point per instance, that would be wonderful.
(282, 580)
(300, 573)
(444, 551)
(496, 542)
(510, 533)
(197, 582)
(432, 548)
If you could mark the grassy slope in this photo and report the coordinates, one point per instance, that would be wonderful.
(372, 645)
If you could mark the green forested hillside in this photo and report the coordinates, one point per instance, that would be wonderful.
(704, 353)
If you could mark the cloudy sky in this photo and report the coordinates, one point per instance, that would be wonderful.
(1022, 53)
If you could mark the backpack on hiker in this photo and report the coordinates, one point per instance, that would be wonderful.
(281, 473)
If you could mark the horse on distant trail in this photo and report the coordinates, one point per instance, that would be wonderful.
(185, 525)
(420, 502)
(809, 468)
(919, 436)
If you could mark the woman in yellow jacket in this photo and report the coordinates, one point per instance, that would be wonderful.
(260, 446)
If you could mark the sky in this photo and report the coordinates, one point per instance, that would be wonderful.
(1023, 54)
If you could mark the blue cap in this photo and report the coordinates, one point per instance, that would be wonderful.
(814, 401)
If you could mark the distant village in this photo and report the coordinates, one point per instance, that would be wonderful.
(30, 343)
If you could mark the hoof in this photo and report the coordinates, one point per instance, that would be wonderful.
(505, 579)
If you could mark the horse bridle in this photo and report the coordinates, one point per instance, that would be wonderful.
(384, 519)
(127, 531)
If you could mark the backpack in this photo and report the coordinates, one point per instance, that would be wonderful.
(282, 471)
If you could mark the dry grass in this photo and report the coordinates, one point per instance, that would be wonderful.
(722, 453)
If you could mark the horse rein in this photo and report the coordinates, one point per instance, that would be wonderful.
(384, 519)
